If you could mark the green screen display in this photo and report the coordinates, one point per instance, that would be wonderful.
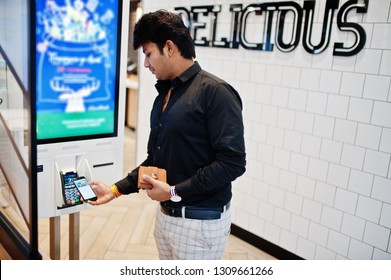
(77, 54)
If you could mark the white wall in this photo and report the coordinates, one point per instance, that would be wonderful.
(318, 137)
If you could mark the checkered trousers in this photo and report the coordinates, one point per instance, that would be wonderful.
(190, 239)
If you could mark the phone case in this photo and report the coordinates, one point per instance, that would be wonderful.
(153, 171)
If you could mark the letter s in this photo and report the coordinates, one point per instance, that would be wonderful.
(343, 25)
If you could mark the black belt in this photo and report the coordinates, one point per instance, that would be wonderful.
(191, 212)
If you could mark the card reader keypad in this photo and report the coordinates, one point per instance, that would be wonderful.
(71, 195)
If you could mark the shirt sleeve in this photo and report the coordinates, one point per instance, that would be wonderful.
(128, 184)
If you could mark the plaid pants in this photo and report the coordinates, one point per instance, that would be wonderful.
(190, 239)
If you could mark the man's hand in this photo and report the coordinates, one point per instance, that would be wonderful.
(103, 192)
(160, 191)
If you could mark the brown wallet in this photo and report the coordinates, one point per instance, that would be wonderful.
(156, 173)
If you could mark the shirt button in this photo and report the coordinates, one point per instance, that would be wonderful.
(160, 125)
(158, 147)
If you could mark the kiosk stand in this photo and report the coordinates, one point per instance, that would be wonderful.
(80, 101)
(74, 237)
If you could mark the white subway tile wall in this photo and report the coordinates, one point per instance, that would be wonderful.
(318, 133)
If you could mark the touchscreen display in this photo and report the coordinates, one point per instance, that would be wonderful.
(77, 58)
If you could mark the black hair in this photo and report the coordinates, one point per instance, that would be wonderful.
(160, 26)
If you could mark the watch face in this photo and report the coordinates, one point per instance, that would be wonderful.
(176, 198)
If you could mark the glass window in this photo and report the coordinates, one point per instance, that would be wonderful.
(14, 151)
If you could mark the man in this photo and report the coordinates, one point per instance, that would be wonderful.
(196, 135)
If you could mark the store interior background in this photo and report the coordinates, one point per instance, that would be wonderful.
(318, 134)
(318, 139)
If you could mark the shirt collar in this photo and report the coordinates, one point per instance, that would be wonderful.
(163, 86)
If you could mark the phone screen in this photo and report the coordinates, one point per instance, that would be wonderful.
(85, 189)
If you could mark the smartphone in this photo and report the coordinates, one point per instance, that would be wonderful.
(85, 190)
(70, 193)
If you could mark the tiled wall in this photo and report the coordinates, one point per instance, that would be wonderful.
(318, 137)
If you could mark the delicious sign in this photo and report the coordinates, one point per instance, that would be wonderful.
(282, 24)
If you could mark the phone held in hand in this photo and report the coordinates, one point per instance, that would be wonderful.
(86, 191)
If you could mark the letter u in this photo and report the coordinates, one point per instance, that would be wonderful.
(309, 7)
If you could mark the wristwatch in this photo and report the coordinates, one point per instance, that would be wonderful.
(174, 197)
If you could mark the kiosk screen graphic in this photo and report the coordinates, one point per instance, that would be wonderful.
(77, 59)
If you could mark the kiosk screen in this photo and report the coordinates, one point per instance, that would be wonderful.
(76, 75)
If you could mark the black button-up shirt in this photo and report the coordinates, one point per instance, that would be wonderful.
(198, 139)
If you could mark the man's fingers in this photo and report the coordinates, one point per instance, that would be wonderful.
(148, 178)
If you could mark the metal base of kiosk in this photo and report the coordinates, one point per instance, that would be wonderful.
(74, 237)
